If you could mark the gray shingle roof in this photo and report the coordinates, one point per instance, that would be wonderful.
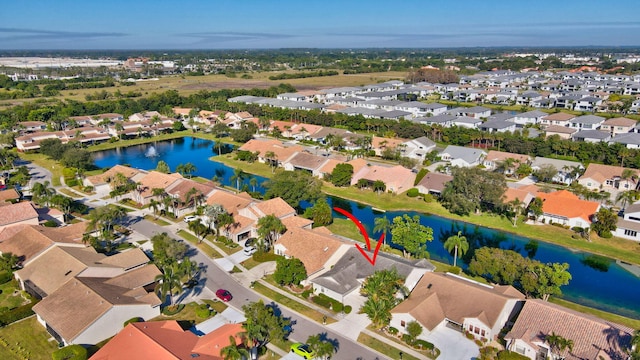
(588, 119)
(591, 134)
(627, 139)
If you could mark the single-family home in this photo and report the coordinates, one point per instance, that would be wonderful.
(317, 248)
(350, 271)
(188, 195)
(495, 158)
(462, 156)
(559, 118)
(587, 103)
(608, 177)
(418, 148)
(620, 125)
(529, 117)
(28, 241)
(628, 226)
(150, 181)
(586, 122)
(168, 340)
(305, 162)
(87, 310)
(521, 196)
(397, 179)
(477, 112)
(444, 120)
(497, 126)
(563, 132)
(565, 208)
(567, 171)
(593, 136)
(9, 196)
(591, 337)
(444, 299)
(271, 150)
(49, 270)
(433, 183)
(101, 183)
(528, 97)
(467, 121)
(19, 213)
(630, 140)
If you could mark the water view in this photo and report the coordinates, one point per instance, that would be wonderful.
(597, 282)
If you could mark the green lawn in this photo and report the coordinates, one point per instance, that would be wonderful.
(157, 221)
(26, 339)
(45, 162)
(291, 304)
(11, 295)
(211, 252)
(255, 168)
(382, 347)
(187, 314)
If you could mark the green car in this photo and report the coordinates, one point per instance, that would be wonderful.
(302, 349)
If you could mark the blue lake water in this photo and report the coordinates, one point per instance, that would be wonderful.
(615, 290)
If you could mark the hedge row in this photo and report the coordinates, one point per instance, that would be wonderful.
(329, 303)
(71, 352)
(16, 314)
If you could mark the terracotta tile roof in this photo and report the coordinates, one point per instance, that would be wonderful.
(559, 129)
(281, 125)
(263, 146)
(383, 143)
(157, 180)
(296, 222)
(180, 188)
(311, 247)
(592, 337)
(275, 206)
(79, 302)
(7, 195)
(438, 296)
(565, 204)
(523, 196)
(308, 129)
(328, 167)
(620, 121)
(494, 155)
(398, 178)
(358, 164)
(19, 212)
(232, 203)
(166, 340)
(241, 224)
(31, 240)
(181, 111)
(559, 116)
(600, 173)
(111, 173)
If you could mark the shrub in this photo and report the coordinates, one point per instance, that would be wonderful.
(322, 300)
(392, 330)
(413, 192)
(428, 198)
(420, 175)
(172, 310)
(347, 309)
(306, 293)
(50, 223)
(71, 352)
(455, 270)
(510, 355)
(203, 311)
(606, 234)
(423, 344)
(16, 314)
(133, 320)
(71, 182)
(5, 277)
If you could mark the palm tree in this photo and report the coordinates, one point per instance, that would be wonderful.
(199, 229)
(269, 228)
(456, 242)
(155, 205)
(233, 351)
(383, 225)
(628, 196)
(168, 283)
(635, 342)
(119, 128)
(238, 176)
(272, 159)
(189, 168)
(320, 346)
(378, 311)
(558, 344)
(253, 182)
(379, 186)
(42, 192)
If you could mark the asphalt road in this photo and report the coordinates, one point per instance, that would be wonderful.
(215, 278)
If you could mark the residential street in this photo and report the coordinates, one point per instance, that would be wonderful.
(216, 278)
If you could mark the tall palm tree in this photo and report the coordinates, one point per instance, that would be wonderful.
(42, 192)
(199, 229)
(189, 168)
(233, 351)
(238, 176)
(457, 242)
(383, 225)
(155, 205)
(628, 196)
(253, 182)
(168, 283)
(378, 311)
(558, 344)
(272, 159)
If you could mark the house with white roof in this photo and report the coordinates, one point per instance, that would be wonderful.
(418, 148)
(529, 117)
(462, 156)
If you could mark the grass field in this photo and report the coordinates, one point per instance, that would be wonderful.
(188, 85)
(382, 347)
(187, 314)
(26, 339)
(632, 323)
(291, 304)
(11, 296)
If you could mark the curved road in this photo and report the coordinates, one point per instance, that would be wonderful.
(216, 278)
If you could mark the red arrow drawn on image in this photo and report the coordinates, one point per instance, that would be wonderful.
(364, 235)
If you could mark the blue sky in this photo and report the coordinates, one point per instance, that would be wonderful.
(242, 24)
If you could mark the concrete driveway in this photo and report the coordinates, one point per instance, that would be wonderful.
(453, 345)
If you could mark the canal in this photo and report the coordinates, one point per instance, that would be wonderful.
(607, 285)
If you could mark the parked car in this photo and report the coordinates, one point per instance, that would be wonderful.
(250, 250)
(250, 242)
(224, 295)
(190, 218)
(302, 349)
